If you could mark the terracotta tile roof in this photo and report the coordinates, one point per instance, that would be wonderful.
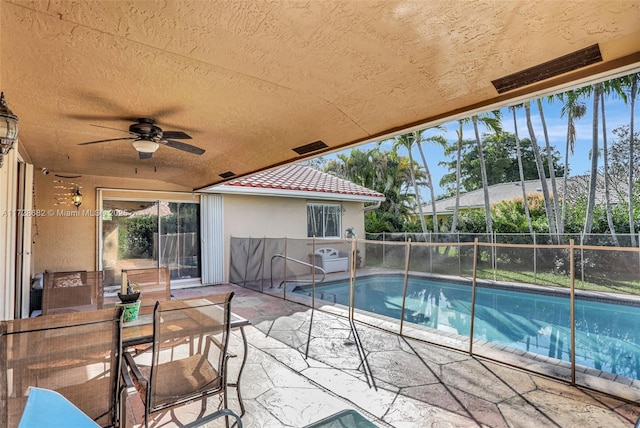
(301, 178)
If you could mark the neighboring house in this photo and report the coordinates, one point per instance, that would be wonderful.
(577, 185)
(293, 201)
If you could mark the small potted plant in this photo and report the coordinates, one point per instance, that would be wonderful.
(130, 302)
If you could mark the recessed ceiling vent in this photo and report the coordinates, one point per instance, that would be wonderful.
(311, 147)
(227, 174)
(555, 67)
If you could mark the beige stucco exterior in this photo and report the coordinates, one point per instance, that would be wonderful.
(277, 217)
(65, 238)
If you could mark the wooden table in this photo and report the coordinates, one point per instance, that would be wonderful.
(140, 331)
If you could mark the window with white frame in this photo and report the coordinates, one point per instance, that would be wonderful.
(324, 220)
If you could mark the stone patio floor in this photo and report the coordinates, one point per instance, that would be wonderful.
(413, 384)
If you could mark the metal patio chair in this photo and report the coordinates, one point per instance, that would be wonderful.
(154, 284)
(75, 354)
(188, 359)
(72, 292)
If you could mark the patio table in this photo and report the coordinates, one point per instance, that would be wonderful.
(140, 331)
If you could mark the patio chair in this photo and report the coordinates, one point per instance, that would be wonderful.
(188, 358)
(76, 354)
(72, 291)
(155, 286)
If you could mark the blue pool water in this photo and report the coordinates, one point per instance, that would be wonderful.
(607, 334)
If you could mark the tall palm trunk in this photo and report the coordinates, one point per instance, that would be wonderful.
(634, 91)
(454, 222)
(591, 203)
(525, 201)
(431, 187)
(551, 167)
(541, 174)
(415, 187)
(574, 109)
(483, 172)
(605, 160)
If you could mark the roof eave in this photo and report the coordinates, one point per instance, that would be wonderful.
(284, 193)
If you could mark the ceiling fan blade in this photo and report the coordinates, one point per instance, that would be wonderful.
(83, 116)
(145, 155)
(175, 135)
(115, 129)
(104, 141)
(182, 146)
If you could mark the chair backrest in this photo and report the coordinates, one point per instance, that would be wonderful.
(72, 291)
(76, 354)
(190, 343)
(155, 286)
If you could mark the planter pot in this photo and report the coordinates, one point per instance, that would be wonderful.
(130, 311)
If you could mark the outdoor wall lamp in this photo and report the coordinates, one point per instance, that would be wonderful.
(77, 198)
(8, 129)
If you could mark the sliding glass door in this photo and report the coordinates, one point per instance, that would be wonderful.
(150, 233)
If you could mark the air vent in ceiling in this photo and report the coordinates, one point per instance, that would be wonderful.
(311, 147)
(227, 174)
(555, 67)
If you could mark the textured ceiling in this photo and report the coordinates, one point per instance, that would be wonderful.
(250, 81)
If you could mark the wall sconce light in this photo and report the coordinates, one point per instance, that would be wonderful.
(8, 128)
(77, 198)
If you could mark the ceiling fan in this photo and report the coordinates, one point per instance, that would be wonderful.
(147, 137)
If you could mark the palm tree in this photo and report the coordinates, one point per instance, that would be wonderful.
(525, 201)
(491, 121)
(633, 92)
(407, 141)
(551, 167)
(591, 201)
(608, 87)
(441, 141)
(541, 173)
(459, 132)
(574, 109)
(631, 83)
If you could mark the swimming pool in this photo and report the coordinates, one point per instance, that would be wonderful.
(607, 333)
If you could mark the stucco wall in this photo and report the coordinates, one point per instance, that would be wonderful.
(276, 217)
(65, 238)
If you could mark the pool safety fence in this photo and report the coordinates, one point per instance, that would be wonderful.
(553, 329)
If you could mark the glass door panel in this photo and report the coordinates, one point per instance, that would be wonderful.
(180, 239)
(129, 237)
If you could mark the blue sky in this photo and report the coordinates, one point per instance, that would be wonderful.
(617, 113)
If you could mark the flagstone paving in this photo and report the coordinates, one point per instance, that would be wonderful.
(299, 372)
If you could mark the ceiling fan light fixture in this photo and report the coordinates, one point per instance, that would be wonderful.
(145, 146)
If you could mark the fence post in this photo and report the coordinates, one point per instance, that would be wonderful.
(352, 281)
(459, 255)
(313, 273)
(264, 262)
(573, 314)
(494, 253)
(430, 253)
(284, 291)
(384, 249)
(535, 259)
(582, 257)
(473, 293)
(406, 280)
